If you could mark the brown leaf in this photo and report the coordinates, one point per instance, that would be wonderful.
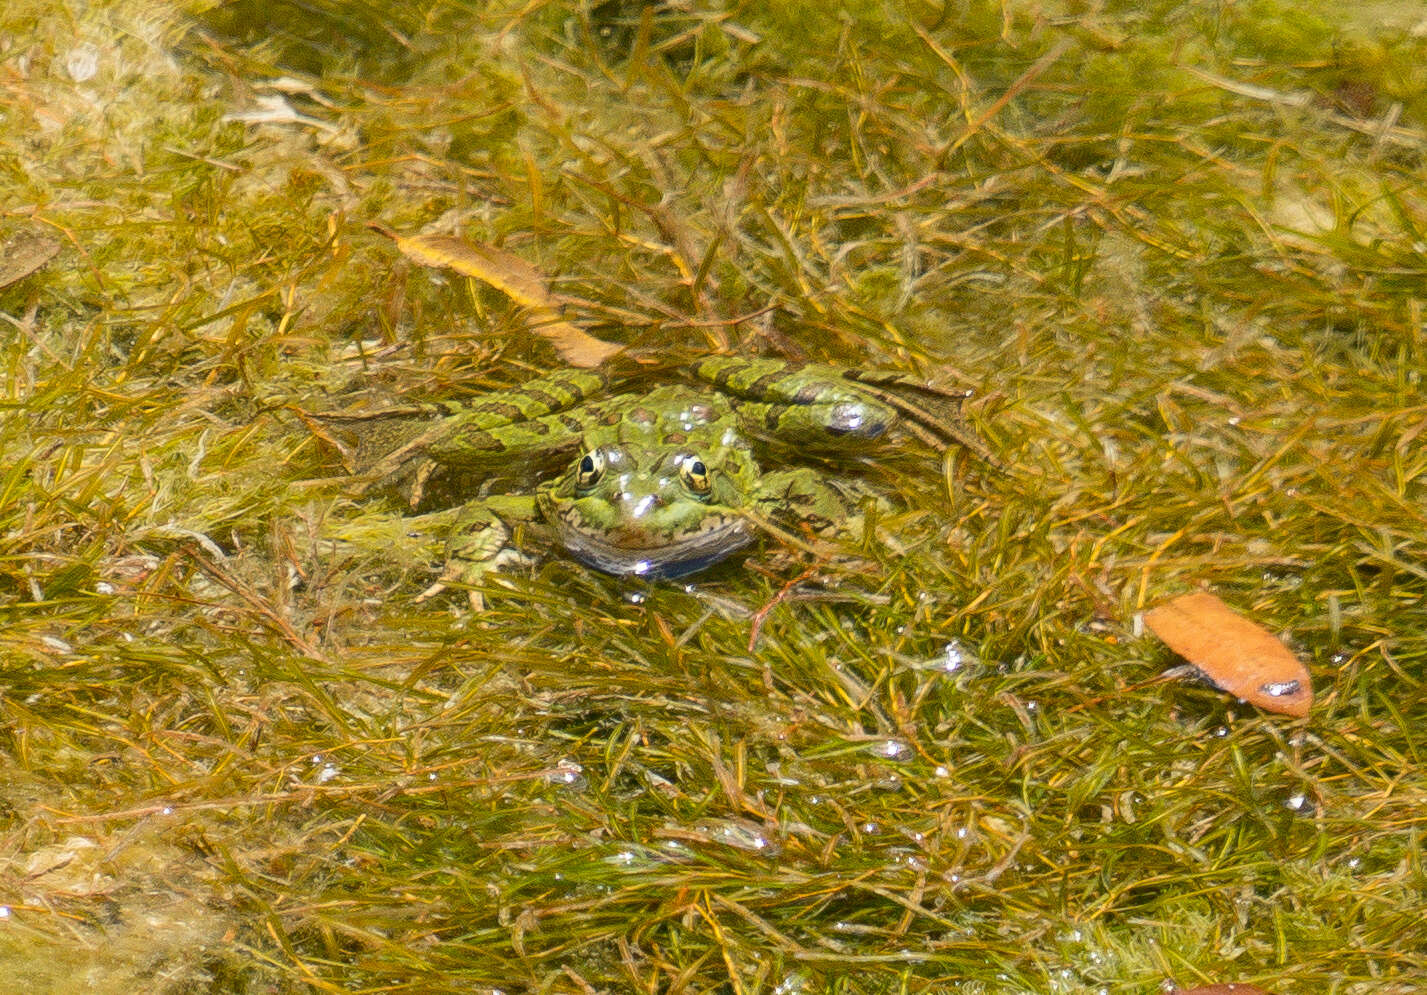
(1233, 653)
(519, 281)
(23, 255)
(1230, 989)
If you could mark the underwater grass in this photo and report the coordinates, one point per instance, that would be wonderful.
(1177, 253)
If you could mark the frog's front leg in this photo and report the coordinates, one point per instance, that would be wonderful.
(810, 405)
(477, 543)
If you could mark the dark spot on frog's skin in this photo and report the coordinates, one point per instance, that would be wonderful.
(546, 400)
(480, 440)
(641, 416)
(763, 386)
(721, 378)
(700, 414)
(807, 395)
(676, 438)
(500, 409)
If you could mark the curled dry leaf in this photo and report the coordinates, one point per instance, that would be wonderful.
(1230, 989)
(1233, 653)
(519, 281)
(74, 867)
(23, 255)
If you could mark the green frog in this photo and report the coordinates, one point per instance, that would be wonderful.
(663, 482)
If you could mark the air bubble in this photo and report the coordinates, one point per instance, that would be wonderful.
(793, 984)
(954, 656)
(743, 836)
(892, 749)
(567, 773)
(82, 63)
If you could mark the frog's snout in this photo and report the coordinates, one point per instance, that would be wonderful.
(635, 505)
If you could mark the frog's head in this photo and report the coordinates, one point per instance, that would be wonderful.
(652, 511)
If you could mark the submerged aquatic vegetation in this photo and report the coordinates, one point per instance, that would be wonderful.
(1177, 253)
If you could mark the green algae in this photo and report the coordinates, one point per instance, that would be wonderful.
(1177, 253)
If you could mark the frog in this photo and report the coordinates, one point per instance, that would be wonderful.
(662, 482)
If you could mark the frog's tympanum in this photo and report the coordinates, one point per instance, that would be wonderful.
(664, 482)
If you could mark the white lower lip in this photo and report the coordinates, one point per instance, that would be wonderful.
(709, 546)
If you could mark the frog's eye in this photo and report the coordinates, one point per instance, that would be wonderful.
(589, 470)
(695, 475)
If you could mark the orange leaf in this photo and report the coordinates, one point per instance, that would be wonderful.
(519, 281)
(1230, 989)
(509, 274)
(1234, 654)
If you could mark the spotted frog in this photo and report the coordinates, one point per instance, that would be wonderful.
(664, 482)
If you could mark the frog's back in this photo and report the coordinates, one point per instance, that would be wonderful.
(669, 415)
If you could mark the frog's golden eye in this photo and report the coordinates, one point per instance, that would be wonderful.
(589, 470)
(695, 475)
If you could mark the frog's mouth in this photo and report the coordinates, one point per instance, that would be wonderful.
(641, 553)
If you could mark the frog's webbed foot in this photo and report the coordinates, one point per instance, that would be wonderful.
(382, 450)
(932, 414)
(804, 501)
